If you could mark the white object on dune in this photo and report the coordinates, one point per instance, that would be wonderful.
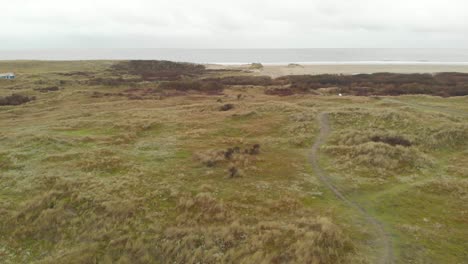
(340, 95)
(8, 75)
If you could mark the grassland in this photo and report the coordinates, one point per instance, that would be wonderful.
(118, 167)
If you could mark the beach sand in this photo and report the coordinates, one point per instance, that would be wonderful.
(281, 70)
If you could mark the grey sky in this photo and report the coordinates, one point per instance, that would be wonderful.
(233, 24)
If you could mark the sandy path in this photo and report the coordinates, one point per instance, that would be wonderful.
(384, 239)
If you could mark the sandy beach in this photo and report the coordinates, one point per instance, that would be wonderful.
(281, 70)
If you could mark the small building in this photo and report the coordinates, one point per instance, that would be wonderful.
(8, 75)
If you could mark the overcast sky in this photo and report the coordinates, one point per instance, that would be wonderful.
(35, 24)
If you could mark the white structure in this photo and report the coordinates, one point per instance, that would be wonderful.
(8, 75)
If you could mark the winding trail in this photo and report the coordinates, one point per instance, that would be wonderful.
(384, 239)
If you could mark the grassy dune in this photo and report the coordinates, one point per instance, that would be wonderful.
(114, 167)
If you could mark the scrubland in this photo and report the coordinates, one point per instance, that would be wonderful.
(159, 162)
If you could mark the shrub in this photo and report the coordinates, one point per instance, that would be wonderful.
(233, 172)
(15, 99)
(162, 70)
(191, 85)
(256, 66)
(442, 84)
(48, 89)
(112, 81)
(210, 158)
(243, 80)
(255, 149)
(395, 140)
(226, 107)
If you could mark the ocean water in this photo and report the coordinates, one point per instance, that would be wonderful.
(240, 56)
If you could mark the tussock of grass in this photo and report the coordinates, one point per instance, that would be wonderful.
(7, 162)
(203, 208)
(296, 240)
(457, 188)
(235, 160)
(377, 151)
(300, 241)
(449, 137)
(356, 137)
(379, 157)
(103, 161)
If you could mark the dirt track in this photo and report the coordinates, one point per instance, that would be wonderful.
(383, 238)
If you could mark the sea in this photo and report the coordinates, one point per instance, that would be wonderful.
(243, 56)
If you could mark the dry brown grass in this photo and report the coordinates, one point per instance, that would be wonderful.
(172, 179)
(219, 236)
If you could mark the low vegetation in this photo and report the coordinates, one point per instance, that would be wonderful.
(200, 86)
(158, 70)
(256, 66)
(243, 80)
(15, 99)
(156, 162)
(443, 84)
(48, 89)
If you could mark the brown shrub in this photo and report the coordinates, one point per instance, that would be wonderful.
(243, 80)
(47, 89)
(15, 99)
(392, 140)
(255, 149)
(112, 81)
(442, 84)
(158, 70)
(192, 85)
(226, 107)
(233, 172)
